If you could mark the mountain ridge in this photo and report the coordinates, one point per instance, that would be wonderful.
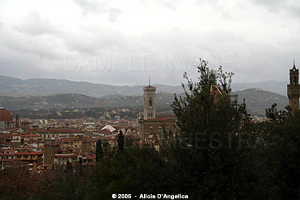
(257, 101)
(16, 87)
(44, 87)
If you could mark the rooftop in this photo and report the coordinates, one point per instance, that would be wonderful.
(5, 116)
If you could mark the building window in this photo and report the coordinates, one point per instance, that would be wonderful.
(159, 130)
(151, 130)
(168, 132)
(150, 101)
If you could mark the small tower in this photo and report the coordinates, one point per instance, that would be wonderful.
(293, 88)
(17, 120)
(149, 101)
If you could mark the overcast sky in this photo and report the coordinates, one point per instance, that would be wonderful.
(124, 42)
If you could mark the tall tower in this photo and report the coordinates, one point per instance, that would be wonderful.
(293, 88)
(17, 120)
(149, 102)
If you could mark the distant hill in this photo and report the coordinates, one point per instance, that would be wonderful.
(62, 94)
(79, 101)
(272, 86)
(256, 100)
(44, 87)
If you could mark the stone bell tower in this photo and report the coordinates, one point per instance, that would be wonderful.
(149, 101)
(293, 88)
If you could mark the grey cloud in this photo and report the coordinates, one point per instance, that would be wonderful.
(176, 30)
(43, 46)
(114, 13)
(33, 24)
(276, 6)
(272, 5)
(98, 40)
(36, 48)
(95, 7)
(16, 64)
(169, 4)
(172, 53)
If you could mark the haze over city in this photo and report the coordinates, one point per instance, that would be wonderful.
(125, 42)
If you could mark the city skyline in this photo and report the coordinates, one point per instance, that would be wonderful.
(123, 43)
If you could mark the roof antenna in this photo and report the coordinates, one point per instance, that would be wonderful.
(149, 80)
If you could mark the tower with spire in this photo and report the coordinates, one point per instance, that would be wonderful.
(149, 101)
(293, 88)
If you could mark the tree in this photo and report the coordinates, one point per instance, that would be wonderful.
(202, 110)
(283, 149)
(215, 142)
(137, 171)
(99, 151)
(121, 142)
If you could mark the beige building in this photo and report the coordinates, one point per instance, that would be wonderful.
(58, 133)
(62, 159)
(7, 158)
(31, 158)
(77, 142)
(151, 125)
(10, 158)
(162, 126)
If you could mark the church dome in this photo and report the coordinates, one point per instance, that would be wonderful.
(5, 116)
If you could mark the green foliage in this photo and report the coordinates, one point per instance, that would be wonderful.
(202, 111)
(133, 172)
(284, 149)
(229, 156)
(99, 151)
(121, 140)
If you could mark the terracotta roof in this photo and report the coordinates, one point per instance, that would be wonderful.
(64, 155)
(5, 116)
(52, 144)
(162, 118)
(59, 131)
(86, 139)
(66, 140)
(6, 135)
(45, 165)
(30, 153)
(29, 135)
(8, 154)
